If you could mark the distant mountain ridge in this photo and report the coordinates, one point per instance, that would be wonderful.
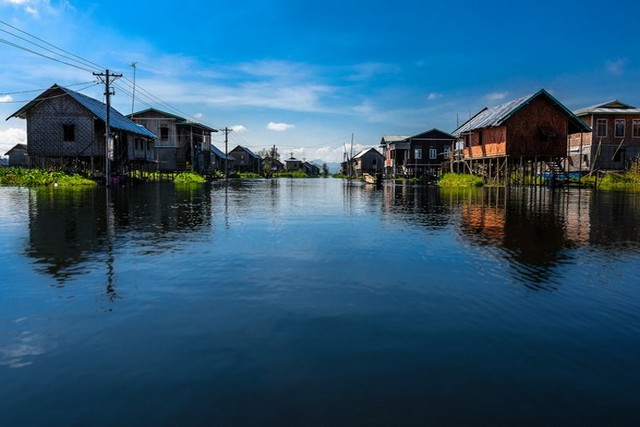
(334, 167)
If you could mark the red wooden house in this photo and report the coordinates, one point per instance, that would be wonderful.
(527, 134)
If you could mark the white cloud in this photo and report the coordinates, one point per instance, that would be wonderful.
(10, 137)
(279, 127)
(239, 128)
(496, 96)
(433, 96)
(32, 7)
(6, 98)
(617, 66)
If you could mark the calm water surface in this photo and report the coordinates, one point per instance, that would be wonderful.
(318, 302)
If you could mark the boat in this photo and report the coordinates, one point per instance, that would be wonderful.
(372, 179)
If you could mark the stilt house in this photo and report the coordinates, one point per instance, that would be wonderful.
(181, 144)
(66, 129)
(614, 140)
(528, 135)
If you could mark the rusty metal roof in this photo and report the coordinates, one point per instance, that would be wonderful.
(496, 116)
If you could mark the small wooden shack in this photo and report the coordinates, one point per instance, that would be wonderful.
(66, 130)
(527, 135)
(395, 150)
(245, 160)
(18, 156)
(367, 161)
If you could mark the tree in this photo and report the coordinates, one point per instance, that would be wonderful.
(269, 157)
(325, 170)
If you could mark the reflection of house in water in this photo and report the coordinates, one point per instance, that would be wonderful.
(69, 227)
(66, 230)
(526, 225)
(423, 201)
(159, 211)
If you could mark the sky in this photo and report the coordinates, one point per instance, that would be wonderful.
(318, 78)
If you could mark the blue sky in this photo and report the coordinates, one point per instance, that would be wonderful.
(306, 76)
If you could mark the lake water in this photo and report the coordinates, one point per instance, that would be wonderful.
(318, 302)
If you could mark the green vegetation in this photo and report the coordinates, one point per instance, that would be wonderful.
(339, 175)
(290, 174)
(451, 180)
(627, 181)
(248, 175)
(38, 177)
(188, 178)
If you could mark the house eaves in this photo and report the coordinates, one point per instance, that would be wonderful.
(97, 108)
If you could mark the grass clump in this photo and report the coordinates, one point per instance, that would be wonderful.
(455, 180)
(188, 178)
(38, 177)
(290, 174)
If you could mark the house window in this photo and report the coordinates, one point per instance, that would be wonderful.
(635, 125)
(447, 152)
(164, 133)
(69, 133)
(417, 153)
(433, 153)
(601, 127)
(620, 128)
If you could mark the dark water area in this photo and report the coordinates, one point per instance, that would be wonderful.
(318, 302)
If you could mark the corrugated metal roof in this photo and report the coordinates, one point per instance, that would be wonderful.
(363, 152)
(218, 152)
(445, 135)
(393, 138)
(609, 107)
(496, 116)
(97, 108)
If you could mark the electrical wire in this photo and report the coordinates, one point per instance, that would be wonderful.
(67, 55)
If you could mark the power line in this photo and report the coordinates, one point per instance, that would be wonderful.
(42, 90)
(49, 97)
(7, 42)
(68, 55)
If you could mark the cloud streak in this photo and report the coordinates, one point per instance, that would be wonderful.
(279, 127)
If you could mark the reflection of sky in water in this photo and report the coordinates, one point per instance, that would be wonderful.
(17, 351)
(316, 294)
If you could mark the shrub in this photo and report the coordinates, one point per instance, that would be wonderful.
(38, 177)
(188, 178)
(451, 180)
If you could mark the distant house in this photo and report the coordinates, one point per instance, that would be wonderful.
(527, 134)
(612, 142)
(220, 161)
(293, 164)
(368, 161)
(18, 156)
(274, 165)
(310, 169)
(181, 144)
(4, 163)
(67, 128)
(245, 160)
(428, 151)
(395, 149)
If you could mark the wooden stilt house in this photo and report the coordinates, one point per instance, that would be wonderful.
(66, 130)
(519, 141)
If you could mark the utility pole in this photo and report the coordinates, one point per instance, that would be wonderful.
(133, 96)
(108, 142)
(226, 153)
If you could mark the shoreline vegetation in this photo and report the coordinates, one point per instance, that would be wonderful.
(22, 177)
(38, 177)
